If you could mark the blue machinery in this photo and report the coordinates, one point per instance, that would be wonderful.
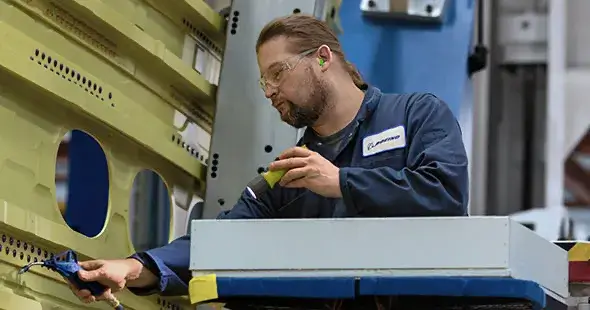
(415, 263)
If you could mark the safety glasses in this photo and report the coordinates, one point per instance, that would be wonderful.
(276, 72)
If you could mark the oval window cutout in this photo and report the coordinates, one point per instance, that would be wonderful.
(149, 211)
(82, 183)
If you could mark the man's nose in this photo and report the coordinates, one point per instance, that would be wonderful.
(269, 91)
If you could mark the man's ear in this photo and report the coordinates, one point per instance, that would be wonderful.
(325, 57)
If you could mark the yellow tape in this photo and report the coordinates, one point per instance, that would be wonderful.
(579, 252)
(202, 288)
(273, 177)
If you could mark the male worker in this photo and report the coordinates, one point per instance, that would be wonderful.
(367, 154)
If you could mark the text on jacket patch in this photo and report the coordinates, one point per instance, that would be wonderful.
(389, 139)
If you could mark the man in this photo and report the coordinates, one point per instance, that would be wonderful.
(367, 154)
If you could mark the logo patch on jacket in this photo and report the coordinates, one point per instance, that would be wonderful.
(390, 139)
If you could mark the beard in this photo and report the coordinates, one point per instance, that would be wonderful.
(313, 104)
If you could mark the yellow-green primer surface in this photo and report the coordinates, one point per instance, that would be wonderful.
(81, 64)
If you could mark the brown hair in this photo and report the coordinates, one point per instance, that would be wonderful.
(307, 32)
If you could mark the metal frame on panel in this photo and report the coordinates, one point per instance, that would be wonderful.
(25, 58)
(197, 16)
(127, 48)
(476, 246)
(87, 65)
(247, 133)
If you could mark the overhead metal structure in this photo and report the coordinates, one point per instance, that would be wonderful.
(115, 70)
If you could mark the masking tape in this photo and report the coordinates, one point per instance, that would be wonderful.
(579, 252)
(202, 288)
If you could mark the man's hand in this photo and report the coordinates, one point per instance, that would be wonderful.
(308, 169)
(112, 273)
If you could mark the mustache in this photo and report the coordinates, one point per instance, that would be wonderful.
(278, 99)
(277, 103)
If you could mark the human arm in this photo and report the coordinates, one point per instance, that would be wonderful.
(114, 274)
(163, 270)
(435, 179)
(170, 263)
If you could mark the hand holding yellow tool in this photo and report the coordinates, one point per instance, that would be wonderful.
(265, 181)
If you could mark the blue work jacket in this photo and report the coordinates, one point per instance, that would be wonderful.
(402, 156)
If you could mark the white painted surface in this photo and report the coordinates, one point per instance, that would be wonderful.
(484, 246)
(555, 131)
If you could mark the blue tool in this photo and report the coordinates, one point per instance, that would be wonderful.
(66, 264)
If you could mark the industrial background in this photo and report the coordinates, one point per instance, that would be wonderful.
(523, 113)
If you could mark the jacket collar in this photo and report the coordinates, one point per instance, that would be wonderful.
(368, 106)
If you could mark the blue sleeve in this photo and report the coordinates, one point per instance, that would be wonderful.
(170, 263)
(435, 181)
(250, 208)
